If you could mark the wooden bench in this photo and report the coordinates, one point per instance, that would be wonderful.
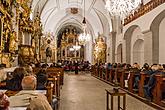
(56, 87)
(49, 93)
(120, 77)
(143, 77)
(93, 70)
(107, 74)
(100, 72)
(131, 80)
(123, 77)
(159, 89)
(53, 71)
(112, 75)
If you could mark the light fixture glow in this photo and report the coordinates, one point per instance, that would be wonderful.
(122, 8)
(71, 49)
(76, 47)
(84, 37)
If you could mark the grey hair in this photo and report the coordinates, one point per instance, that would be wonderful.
(29, 85)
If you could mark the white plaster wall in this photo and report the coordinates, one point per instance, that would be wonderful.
(146, 1)
(144, 22)
(119, 40)
(148, 47)
(124, 50)
(137, 34)
(161, 42)
(119, 53)
(138, 52)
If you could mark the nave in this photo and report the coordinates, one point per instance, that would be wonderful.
(84, 92)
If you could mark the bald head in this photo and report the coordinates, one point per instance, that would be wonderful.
(29, 83)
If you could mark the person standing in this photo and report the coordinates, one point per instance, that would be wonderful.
(76, 67)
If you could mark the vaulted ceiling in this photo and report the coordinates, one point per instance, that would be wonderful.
(56, 14)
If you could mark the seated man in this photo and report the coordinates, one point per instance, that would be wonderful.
(24, 97)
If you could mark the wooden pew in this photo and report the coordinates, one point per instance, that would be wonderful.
(57, 86)
(131, 80)
(100, 72)
(97, 71)
(120, 77)
(159, 89)
(107, 74)
(53, 71)
(112, 75)
(49, 92)
(93, 70)
(123, 77)
(104, 73)
(143, 77)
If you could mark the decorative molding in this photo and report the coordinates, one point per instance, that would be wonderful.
(143, 10)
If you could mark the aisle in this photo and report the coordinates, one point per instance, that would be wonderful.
(84, 92)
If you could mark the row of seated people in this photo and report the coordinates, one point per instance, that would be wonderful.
(13, 80)
(143, 80)
(68, 65)
(72, 65)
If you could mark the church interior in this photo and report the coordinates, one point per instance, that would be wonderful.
(82, 55)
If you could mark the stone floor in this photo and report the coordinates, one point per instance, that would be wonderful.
(84, 92)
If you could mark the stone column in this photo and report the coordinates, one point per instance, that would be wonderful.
(113, 46)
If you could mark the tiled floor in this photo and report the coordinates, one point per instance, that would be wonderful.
(84, 92)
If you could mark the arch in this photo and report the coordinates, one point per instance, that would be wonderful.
(119, 54)
(155, 36)
(138, 52)
(127, 38)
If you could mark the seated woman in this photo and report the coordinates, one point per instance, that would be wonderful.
(15, 82)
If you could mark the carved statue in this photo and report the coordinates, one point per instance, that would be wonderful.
(48, 52)
(13, 42)
(99, 50)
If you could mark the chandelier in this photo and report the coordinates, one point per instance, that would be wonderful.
(122, 8)
(84, 37)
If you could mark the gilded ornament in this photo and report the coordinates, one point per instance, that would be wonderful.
(13, 42)
(99, 50)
